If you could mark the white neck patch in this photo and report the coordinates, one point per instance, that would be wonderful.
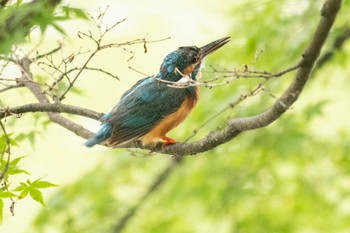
(184, 79)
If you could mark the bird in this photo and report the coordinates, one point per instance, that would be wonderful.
(156, 104)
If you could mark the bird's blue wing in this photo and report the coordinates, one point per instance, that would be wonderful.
(106, 129)
(143, 107)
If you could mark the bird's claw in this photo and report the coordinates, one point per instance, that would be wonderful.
(168, 141)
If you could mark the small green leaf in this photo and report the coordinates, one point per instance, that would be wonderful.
(58, 28)
(33, 189)
(28, 136)
(17, 160)
(22, 187)
(42, 184)
(15, 171)
(78, 91)
(23, 194)
(13, 142)
(3, 143)
(79, 13)
(6, 194)
(37, 196)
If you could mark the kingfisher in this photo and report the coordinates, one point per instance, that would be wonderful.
(157, 104)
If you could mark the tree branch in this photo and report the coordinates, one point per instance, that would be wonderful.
(48, 107)
(281, 105)
(9, 87)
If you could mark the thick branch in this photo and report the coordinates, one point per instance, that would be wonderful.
(235, 126)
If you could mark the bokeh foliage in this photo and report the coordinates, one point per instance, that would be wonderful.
(284, 178)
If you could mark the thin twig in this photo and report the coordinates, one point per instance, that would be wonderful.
(59, 47)
(9, 87)
(71, 83)
(100, 47)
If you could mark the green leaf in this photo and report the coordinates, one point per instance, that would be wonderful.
(3, 143)
(77, 13)
(13, 142)
(13, 169)
(58, 28)
(17, 160)
(27, 136)
(6, 194)
(43, 184)
(37, 196)
(22, 187)
(33, 189)
(23, 194)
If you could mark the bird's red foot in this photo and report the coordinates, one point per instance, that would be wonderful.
(168, 141)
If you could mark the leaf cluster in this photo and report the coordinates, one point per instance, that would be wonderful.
(11, 167)
(18, 20)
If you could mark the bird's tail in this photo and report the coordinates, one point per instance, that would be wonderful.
(104, 133)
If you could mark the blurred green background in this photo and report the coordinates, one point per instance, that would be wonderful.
(292, 176)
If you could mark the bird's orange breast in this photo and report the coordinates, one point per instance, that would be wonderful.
(171, 121)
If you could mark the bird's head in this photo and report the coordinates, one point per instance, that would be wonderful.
(187, 60)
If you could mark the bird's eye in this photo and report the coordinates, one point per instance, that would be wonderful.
(197, 57)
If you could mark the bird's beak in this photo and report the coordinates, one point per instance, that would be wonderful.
(211, 47)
